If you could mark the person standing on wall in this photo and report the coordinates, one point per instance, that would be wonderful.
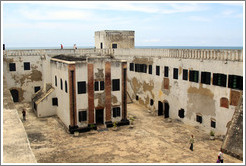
(61, 46)
(191, 142)
(24, 114)
(221, 155)
(74, 46)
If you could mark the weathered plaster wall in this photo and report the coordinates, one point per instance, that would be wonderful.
(60, 70)
(23, 80)
(82, 99)
(123, 39)
(194, 98)
(45, 108)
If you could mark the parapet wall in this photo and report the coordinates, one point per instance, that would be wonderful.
(201, 54)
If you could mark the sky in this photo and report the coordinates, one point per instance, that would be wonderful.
(160, 23)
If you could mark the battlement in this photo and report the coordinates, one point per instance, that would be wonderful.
(201, 54)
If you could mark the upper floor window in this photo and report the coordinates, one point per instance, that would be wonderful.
(81, 87)
(55, 81)
(116, 84)
(206, 78)
(219, 79)
(26, 65)
(185, 74)
(194, 75)
(114, 45)
(175, 73)
(142, 68)
(36, 88)
(55, 101)
(157, 70)
(213, 123)
(235, 82)
(150, 69)
(101, 85)
(61, 84)
(12, 67)
(199, 118)
(166, 71)
(66, 86)
(131, 66)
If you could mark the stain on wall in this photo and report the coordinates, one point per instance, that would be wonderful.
(101, 99)
(147, 61)
(35, 75)
(99, 74)
(224, 102)
(114, 99)
(200, 100)
(234, 97)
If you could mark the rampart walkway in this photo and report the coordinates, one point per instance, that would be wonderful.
(16, 146)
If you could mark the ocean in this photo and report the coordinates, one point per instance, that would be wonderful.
(157, 47)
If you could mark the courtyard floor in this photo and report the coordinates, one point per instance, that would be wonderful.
(151, 140)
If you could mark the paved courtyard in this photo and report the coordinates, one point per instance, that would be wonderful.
(151, 140)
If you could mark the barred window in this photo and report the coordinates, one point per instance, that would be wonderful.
(166, 71)
(81, 87)
(116, 111)
(116, 84)
(82, 116)
(185, 74)
(219, 79)
(235, 82)
(175, 73)
(206, 78)
(194, 76)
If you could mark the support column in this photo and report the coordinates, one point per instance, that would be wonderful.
(91, 93)
(124, 92)
(72, 98)
(108, 93)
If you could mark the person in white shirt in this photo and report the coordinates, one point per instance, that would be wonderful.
(221, 155)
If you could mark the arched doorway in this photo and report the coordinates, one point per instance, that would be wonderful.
(166, 109)
(160, 108)
(15, 95)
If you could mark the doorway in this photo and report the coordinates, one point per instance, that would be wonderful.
(101, 46)
(99, 116)
(15, 95)
(166, 110)
(160, 108)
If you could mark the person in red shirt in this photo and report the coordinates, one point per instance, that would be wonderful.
(61, 46)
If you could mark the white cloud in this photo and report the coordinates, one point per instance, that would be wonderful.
(152, 40)
(199, 18)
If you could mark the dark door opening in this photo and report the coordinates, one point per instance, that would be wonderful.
(99, 116)
(160, 108)
(15, 95)
(166, 111)
(114, 45)
(101, 45)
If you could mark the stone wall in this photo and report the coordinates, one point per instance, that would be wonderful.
(233, 142)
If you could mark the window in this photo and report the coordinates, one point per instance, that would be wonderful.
(61, 84)
(114, 45)
(194, 75)
(185, 74)
(235, 82)
(181, 113)
(206, 78)
(219, 79)
(101, 45)
(101, 85)
(151, 101)
(36, 88)
(82, 116)
(150, 69)
(116, 111)
(55, 101)
(26, 65)
(81, 87)
(131, 66)
(142, 68)
(166, 71)
(96, 86)
(199, 118)
(66, 86)
(12, 67)
(213, 124)
(55, 81)
(175, 73)
(116, 84)
(157, 70)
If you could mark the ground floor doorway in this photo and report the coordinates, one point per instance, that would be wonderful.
(15, 95)
(160, 108)
(166, 110)
(99, 116)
